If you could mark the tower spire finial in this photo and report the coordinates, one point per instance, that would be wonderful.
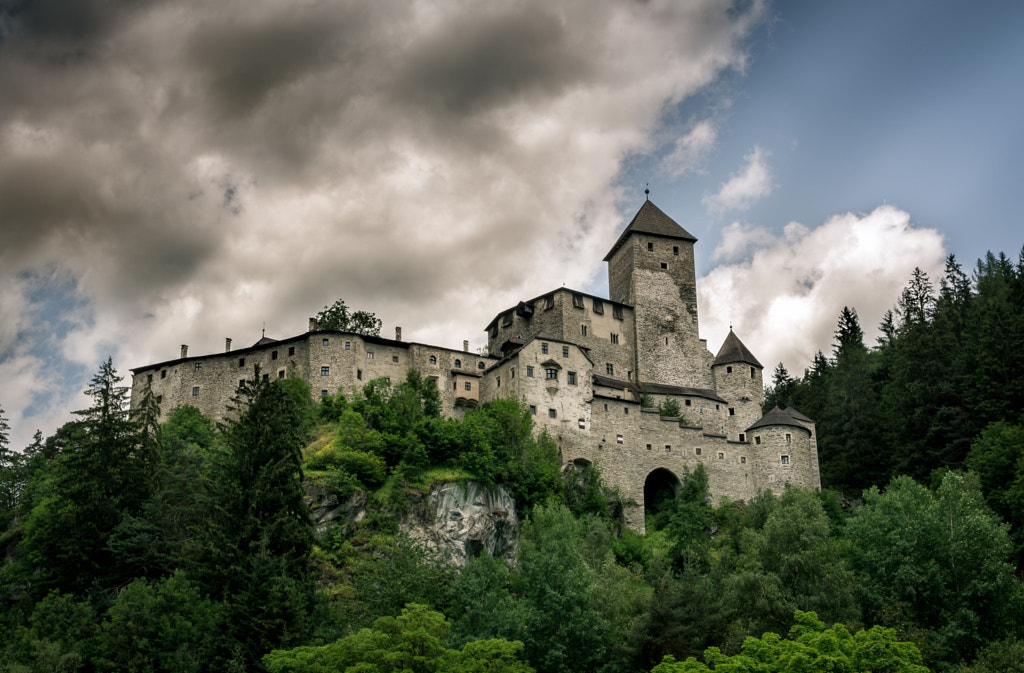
(647, 191)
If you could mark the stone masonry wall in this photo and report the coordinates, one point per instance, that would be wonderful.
(744, 392)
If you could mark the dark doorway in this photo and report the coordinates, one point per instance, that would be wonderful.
(659, 487)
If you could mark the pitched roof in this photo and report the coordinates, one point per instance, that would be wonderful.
(777, 416)
(652, 221)
(733, 350)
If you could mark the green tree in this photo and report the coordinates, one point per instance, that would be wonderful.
(933, 566)
(810, 647)
(338, 317)
(997, 457)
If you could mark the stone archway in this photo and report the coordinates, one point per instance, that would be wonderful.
(660, 485)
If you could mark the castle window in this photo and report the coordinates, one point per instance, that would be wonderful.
(675, 249)
(551, 374)
(529, 371)
(629, 375)
(717, 407)
(163, 374)
(583, 330)
(606, 406)
(789, 438)
(273, 355)
(492, 331)
(533, 410)
(199, 365)
(687, 403)
(668, 447)
(666, 341)
(498, 384)
(648, 447)
(433, 359)
(149, 378)
(614, 338)
(327, 341)
(552, 413)
(457, 364)
(743, 460)
(617, 312)
(609, 369)
(743, 437)
(359, 374)
(784, 460)
(599, 306)
(241, 382)
(348, 345)
(159, 399)
(387, 380)
(577, 300)
(280, 374)
(323, 393)
(572, 378)
(565, 351)
(732, 411)
(664, 265)
(394, 358)
(625, 410)
(512, 372)
(325, 371)
(757, 439)
(752, 372)
(480, 365)
(697, 451)
(469, 386)
(721, 456)
(195, 391)
(369, 356)
(506, 320)
(728, 370)
(650, 247)
(618, 439)
(241, 362)
(549, 302)
(291, 350)
(544, 348)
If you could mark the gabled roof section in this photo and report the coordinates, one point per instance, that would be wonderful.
(733, 350)
(777, 416)
(264, 340)
(652, 221)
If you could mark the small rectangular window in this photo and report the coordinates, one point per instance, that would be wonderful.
(757, 439)
(529, 371)
(325, 371)
(565, 351)
(675, 249)
(241, 362)
(789, 438)
(323, 393)
(533, 410)
(609, 369)
(369, 356)
(195, 391)
(664, 265)
(583, 424)
(498, 379)
(549, 302)
(668, 447)
(618, 439)
(650, 247)
(241, 382)
(159, 399)
(359, 374)
(280, 374)
(625, 410)
(266, 377)
(544, 348)
(551, 374)
(577, 300)
(199, 365)
(732, 411)
(598, 306)
(572, 378)
(617, 312)
(785, 460)
(469, 386)
(394, 358)
(687, 403)
(327, 341)
(721, 456)
(506, 319)
(348, 345)
(512, 372)
(629, 375)
(552, 413)
(291, 350)
(697, 451)
(743, 460)
(583, 330)
(752, 373)
(615, 338)
(648, 447)
(163, 374)
(743, 437)
(728, 370)
(273, 355)
(149, 378)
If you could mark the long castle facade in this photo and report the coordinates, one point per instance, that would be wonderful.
(592, 370)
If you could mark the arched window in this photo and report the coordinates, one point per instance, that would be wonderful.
(433, 359)
(458, 363)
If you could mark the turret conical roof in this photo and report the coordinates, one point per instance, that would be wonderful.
(652, 221)
(733, 350)
(777, 416)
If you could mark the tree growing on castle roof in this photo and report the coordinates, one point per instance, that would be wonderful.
(338, 317)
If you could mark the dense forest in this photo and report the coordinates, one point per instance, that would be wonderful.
(133, 545)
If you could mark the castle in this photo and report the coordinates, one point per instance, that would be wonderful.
(593, 371)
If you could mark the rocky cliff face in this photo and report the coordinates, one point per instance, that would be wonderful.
(458, 520)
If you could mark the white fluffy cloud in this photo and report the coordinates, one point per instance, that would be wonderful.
(743, 188)
(784, 301)
(199, 169)
(692, 149)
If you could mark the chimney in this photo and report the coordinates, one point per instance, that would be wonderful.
(184, 351)
(465, 346)
(312, 324)
(625, 393)
(398, 334)
(227, 345)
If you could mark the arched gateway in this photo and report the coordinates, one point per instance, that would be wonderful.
(660, 486)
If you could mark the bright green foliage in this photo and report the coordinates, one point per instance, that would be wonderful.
(413, 642)
(482, 606)
(933, 566)
(789, 564)
(1003, 656)
(997, 457)
(669, 408)
(584, 491)
(159, 626)
(337, 317)
(687, 520)
(810, 648)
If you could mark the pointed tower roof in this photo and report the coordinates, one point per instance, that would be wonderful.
(777, 416)
(733, 350)
(651, 221)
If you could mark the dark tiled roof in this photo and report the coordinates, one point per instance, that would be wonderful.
(733, 350)
(652, 221)
(264, 341)
(660, 389)
(777, 416)
(606, 382)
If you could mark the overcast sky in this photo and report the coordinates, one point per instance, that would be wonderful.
(178, 172)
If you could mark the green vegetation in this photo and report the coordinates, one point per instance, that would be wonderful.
(184, 546)
(338, 317)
